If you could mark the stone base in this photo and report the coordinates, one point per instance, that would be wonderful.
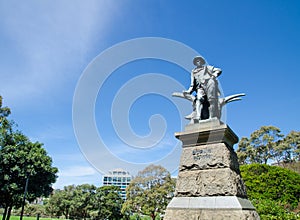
(209, 184)
(213, 182)
(213, 207)
(194, 214)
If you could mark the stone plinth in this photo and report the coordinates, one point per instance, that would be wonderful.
(210, 208)
(216, 182)
(209, 184)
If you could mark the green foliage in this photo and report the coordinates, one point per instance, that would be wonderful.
(292, 140)
(21, 159)
(83, 200)
(143, 217)
(34, 209)
(268, 144)
(61, 202)
(274, 190)
(4, 111)
(270, 209)
(108, 203)
(149, 192)
(260, 148)
(86, 201)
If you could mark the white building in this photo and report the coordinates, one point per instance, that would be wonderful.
(118, 177)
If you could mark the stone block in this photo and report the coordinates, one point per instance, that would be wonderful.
(212, 182)
(210, 208)
(210, 156)
(207, 135)
(204, 214)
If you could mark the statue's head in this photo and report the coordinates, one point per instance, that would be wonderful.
(198, 61)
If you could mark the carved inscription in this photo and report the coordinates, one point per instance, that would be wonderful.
(199, 154)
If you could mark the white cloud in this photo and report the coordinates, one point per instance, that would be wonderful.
(47, 42)
(77, 175)
(77, 171)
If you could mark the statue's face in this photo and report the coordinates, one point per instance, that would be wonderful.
(198, 63)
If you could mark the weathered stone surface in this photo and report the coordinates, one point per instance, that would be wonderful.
(211, 202)
(210, 156)
(204, 214)
(212, 207)
(207, 135)
(209, 185)
(213, 182)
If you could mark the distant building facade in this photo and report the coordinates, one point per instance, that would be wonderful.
(118, 177)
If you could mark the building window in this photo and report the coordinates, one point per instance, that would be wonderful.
(120, 178)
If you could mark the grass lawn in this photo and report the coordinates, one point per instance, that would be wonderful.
(26, 218)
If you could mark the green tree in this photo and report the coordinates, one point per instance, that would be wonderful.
(149, 192)
(4, 112)
(61, 202)
(264, 182)
(268, 144)
(264, 141)
(108, 203)
(287, 150)
(86, 201)
(21, 159)
(293, 140)
(261, 147)
(5, 126)
(83, 201)
(51, 207)
(34, 209)
(245, 151)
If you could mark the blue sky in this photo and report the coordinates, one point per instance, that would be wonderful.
(46, 46)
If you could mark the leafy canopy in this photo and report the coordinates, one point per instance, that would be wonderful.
(149, 192)
(21, 159)
(267, 144)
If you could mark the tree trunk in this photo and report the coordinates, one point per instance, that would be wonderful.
(153, 216)
(5, 213)
(8, 212)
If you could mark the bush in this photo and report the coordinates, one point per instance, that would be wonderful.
(269, 210)
(274, 183)
(274, 191)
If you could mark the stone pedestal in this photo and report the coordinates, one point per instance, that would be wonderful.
(209, 184)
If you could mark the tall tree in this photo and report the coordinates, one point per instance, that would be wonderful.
(261, 147)
(86, 201)
(150, 191)
(83, 200)
(21, 160)
(268, 145)
(293, 140)
(61, 201)
(264, 141)
(108, 203)
(51, 204)
(244, 152)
